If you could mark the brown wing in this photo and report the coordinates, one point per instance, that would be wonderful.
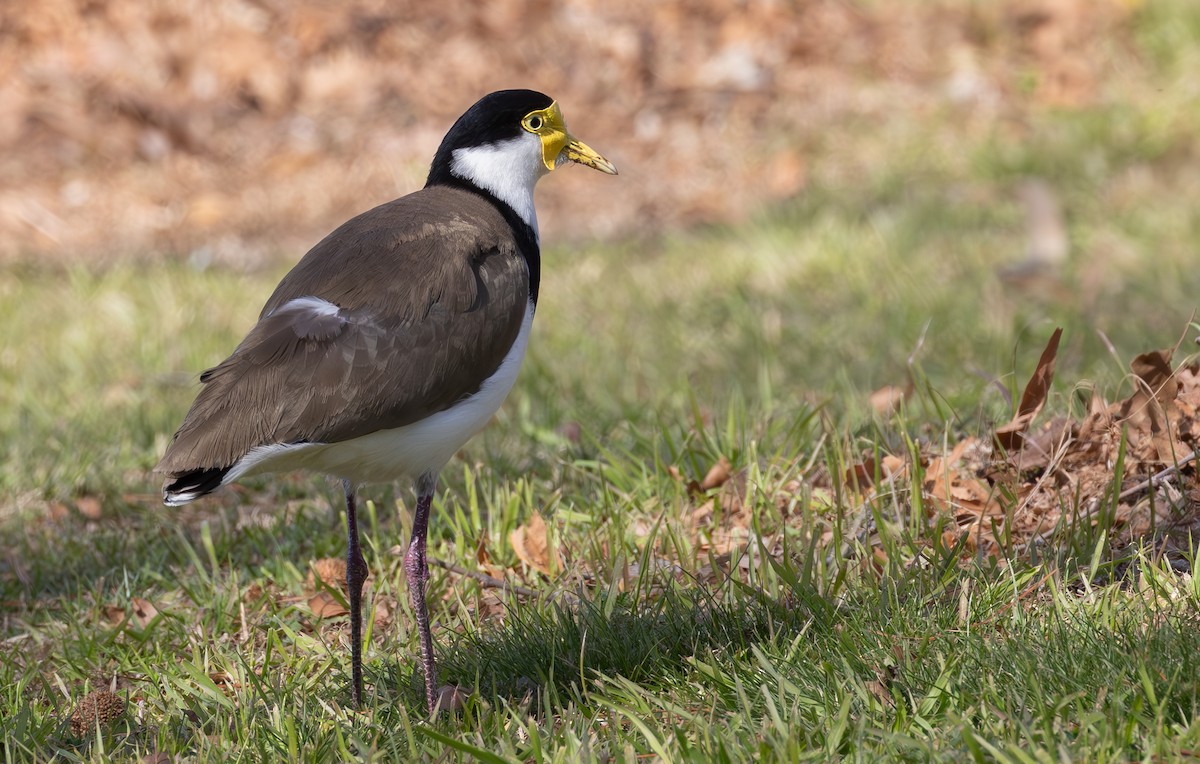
(431, 292)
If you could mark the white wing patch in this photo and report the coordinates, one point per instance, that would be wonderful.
(313, 305)
(311, 317)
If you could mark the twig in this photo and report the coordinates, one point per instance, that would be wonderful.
(1154, 480)
(491, 582)
(30, 604)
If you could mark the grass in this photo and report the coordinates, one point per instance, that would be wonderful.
(775, 632)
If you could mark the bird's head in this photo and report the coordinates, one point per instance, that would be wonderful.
(506, 142)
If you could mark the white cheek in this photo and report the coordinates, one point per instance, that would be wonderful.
(509, 169)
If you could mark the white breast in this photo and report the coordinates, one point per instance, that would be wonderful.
(415, 449)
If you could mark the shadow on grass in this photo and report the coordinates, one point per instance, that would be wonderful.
(547, 654)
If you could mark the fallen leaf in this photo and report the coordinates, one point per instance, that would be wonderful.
(1154, 368)
(89, 507)
(693, 487)
(862, 475)
(1010, 435)
(1150, 414)
(531, 544)
(383, 608)
(144, 612)
(325, 605)
(718, 475)
(451, 699)
(892, 465)
(57, 510)
(887, 399)
(1040, 448)
(481, 551)
(880, 687)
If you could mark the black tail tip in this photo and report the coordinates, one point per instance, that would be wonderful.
(189, 486)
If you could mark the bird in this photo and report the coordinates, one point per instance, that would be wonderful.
(392, 341)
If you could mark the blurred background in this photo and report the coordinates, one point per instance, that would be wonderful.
(237, 131)
(818, 200)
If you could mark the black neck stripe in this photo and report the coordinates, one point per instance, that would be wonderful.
(527, 241)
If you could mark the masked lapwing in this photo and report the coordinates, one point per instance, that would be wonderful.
(393, 341)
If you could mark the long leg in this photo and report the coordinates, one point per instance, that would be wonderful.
(417, 572)
(356, 574)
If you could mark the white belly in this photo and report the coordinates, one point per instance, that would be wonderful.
(410, 451)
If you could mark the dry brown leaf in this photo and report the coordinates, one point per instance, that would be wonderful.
(144, 612)
(693, 486)
(491, 604)
(57, 510)
(1154, 368)
(383, 608)
(702, 514)
(861, 476)
(880, 687)
(971, 495)
(718, 475)
(481, 551)
(1009, 436)
(531, 544)
(90, 507)
(1150, 414)
(1041, 447)
(951, 536)
(893, 465)
(451, 698)
(325, 605)
(887, 399)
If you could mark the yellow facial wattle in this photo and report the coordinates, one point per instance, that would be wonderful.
(558, 145)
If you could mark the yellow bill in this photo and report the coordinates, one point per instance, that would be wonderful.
(558, 145)
(578, 151)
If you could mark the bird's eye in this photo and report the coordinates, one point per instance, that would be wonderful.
(535, 123)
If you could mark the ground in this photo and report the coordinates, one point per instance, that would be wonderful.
(745, 502)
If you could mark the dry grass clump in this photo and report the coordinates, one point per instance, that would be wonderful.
(97, 707)
(330, 570)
